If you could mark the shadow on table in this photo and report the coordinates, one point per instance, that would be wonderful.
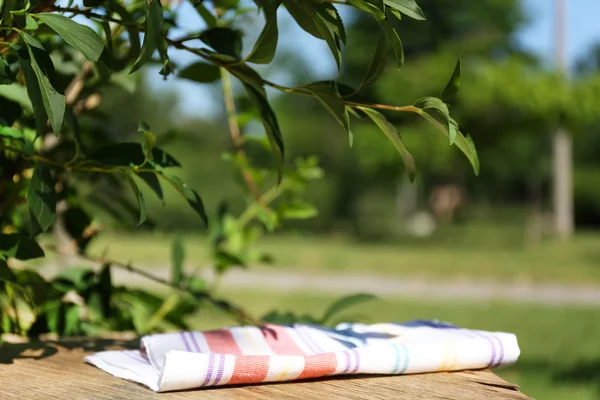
(38, 349)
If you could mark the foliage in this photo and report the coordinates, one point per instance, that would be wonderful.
(61, 167)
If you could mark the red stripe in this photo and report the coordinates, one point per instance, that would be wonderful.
(280, 341)
(249, 369)
(319, 365)
(222, 341)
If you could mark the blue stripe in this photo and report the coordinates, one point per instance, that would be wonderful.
(406, 359)
(397, 363)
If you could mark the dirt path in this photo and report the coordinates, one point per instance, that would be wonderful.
(285, 281)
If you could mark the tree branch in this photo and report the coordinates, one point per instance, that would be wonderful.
(234, 131)
(222, 305)
(90, 14)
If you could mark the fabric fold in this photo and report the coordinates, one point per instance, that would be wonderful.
(276, 353)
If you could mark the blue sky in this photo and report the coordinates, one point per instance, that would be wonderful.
(582, 27)
(582, 30)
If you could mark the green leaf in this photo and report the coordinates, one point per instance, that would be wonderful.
(207, 16)
(54, 102)
(345, 303)
(6, 274)
(149, 141)
(6, 75)
(152, 181)
(105, 287)
(23, 10)
(466, 145)
(131, 154)
(81, 37)
(196, 285)
(297, 209)
(331, 100)
(20, 247)
(248, 76)
(18, 94)
(54, 312)
(5, 11)
(153, 36)
(438, 110)
(34, 93)
(30, 23)
(407, 7)
(304, 16)
(392, 134)
(224, 41)
(78, 279)
(139, 197)
(133, 32)
(394, 39)
(471, 152)
(201, 72)
(322, 21)
(77, 223)
(377, 64)
(269, 120)
(72, 319)
(266, 44)
(463, 142)
(34, 285)
(453, 85)
(177, 259)
(7, 131)
(41, 197)
(190, 195)
(268, 217)
(374, 7)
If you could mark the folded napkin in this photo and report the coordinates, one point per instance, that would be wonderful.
(274, 353)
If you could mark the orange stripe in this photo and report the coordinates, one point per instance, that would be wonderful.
(222, 342)
(280, 341)
(249, 369)
(319, 365)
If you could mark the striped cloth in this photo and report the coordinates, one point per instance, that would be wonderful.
(274, 353)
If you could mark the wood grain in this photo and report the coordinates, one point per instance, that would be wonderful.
(55, 370)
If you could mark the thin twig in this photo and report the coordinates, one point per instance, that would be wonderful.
(90, 14)
(234, 132)
(77, 83)
(179, 45)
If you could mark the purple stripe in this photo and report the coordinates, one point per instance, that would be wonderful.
(209, 372)
(309, 335)
(221, 369)
(307, 340)
(194, 342)
(357, 361)
(185, 342)
(136, 357)
(348, 360)
(491, 364)
(501, 355)
(493, 346)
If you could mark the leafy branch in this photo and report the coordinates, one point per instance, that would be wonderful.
(239, 314)
(38, 108)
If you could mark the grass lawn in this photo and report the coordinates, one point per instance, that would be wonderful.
(560, 350)
(482, 253)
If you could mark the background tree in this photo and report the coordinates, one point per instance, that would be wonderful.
(65, 167)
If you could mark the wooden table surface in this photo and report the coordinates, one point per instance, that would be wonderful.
(55, 370)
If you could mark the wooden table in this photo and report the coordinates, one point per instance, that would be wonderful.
(55, 370)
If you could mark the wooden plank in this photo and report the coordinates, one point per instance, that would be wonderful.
(55, 370)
